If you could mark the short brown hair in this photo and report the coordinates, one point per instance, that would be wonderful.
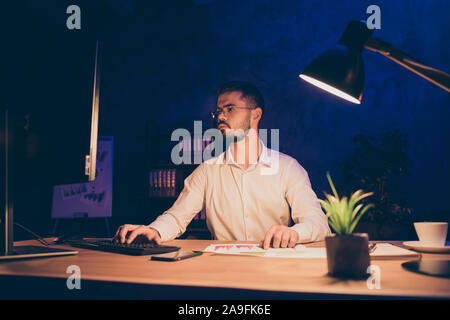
(249, 92)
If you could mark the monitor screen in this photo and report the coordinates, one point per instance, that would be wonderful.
(50, 85)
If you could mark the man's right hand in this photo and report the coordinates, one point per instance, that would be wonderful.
(128, 232)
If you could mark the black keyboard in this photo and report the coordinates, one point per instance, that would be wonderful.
(135, 249)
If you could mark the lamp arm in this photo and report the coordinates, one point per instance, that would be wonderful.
(435, 76)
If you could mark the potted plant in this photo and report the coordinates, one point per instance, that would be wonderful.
(347, 252)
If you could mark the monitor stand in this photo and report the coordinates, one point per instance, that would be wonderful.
(28, 252)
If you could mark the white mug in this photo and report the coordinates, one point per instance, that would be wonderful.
(432, 234)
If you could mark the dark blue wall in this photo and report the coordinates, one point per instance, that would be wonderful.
(163, 60)
(164, 67)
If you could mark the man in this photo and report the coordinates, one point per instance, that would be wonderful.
(243, 202)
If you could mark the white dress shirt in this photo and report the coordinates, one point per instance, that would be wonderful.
(242, 204)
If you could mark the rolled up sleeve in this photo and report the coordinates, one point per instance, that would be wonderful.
(310, 222)
(173, 222)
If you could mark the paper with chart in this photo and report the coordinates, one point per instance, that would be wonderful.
(383, 250)
(300, 251)
(94, 198)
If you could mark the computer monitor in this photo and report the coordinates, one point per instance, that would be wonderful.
(48, 125)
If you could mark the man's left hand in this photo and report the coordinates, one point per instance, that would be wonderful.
(280, 236)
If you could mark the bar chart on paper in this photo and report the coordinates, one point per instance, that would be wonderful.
(383, 250)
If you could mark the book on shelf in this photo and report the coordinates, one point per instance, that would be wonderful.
(162, 182)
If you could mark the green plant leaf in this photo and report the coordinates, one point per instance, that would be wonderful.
(335, 228)
(361, 213)
(336, 210)
(354, 199)
(358, 195)
(344, 214)
(335, 224)
(332, 185)
(355, 210)
(330, 208)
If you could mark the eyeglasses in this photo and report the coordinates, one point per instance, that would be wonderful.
(227, 111)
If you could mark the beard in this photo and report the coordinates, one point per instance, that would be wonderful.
(238, 134)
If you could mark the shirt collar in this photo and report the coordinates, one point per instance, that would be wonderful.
(265, 156)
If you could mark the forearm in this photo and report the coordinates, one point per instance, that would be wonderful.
(167, 227)
(312, 228)
(310, 221)
(173, 222)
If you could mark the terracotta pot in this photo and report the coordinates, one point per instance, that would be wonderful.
(348, 256)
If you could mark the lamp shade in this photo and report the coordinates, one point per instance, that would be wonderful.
(339, 71)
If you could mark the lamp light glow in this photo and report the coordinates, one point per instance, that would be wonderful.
(340, 69)
(330, 89)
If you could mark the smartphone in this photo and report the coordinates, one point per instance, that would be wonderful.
(176, 256)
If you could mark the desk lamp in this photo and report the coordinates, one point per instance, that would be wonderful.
(340, 70)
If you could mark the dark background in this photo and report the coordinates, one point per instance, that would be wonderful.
(163, 60)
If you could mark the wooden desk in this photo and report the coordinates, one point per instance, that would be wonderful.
(210, 276)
